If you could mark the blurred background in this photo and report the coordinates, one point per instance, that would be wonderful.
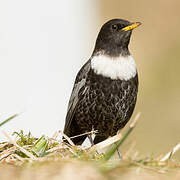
(43, 44)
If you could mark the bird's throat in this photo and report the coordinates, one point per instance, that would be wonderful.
(122, 67)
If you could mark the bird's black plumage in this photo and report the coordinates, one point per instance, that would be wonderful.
(112, 40)
(100, 102)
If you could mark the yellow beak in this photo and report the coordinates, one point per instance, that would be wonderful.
(132, 26)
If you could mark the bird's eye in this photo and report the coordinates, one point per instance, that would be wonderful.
(114, 26)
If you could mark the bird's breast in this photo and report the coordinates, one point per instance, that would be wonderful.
(107, 105)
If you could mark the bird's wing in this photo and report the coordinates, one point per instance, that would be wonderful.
(79, 88)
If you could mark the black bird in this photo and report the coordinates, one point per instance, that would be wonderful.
(105, 90)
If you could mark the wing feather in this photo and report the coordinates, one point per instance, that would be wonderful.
(78, 86)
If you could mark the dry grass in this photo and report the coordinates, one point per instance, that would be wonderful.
(73, 162)
(27, 157)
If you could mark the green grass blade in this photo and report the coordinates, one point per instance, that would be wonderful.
(110, 152)
(7, 120)
(40, 146)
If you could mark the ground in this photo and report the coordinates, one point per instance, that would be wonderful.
(27, 157)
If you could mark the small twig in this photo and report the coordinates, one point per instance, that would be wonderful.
(171, 153)
(7, 152)
(55, 148)
(135, 155)
(18, 157)
(71, 150)
(87, 133)
(3, 145)
(67, 138)
(27, 153)
(149, 168)
(106, 142)
(134, 122)
(55, 135)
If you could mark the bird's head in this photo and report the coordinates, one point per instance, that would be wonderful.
(114, 37)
